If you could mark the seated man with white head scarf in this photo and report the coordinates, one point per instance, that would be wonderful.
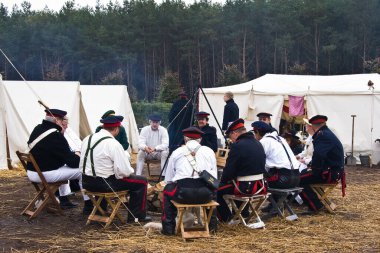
(184, 185)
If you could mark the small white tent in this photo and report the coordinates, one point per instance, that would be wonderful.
(21, 112)
(97, 99)
(338, 97)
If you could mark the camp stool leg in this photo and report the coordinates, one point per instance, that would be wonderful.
(198, 231)
(45, 193)
(282, 203)
(237, 218)
(115, 210)
(258, 200)
(322, 191)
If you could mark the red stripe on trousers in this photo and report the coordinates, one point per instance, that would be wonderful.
(171, 194)
(139, 181)
(310, 202)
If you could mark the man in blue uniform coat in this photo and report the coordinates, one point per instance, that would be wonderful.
(246, 158)
(231, 110)
(209, 138)
(327, 165)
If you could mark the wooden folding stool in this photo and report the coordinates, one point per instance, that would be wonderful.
(45, 190)
(254, 203)
(283, 201)
(323, 191)
(113, 199)
(199, 231)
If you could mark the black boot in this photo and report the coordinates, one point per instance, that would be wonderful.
(87, 208)
(65, 203)
(167, 229)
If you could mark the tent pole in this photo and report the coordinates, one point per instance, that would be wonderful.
(9, 160)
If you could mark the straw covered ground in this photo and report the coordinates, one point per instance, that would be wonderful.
(354, 228)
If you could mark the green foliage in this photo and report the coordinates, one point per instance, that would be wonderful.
(139, 41)
(298, 69)
(169, 88)
(114, 78)
(230, 75)
(372, 66)
(142, 110)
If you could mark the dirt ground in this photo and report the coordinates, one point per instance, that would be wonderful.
(354, 228)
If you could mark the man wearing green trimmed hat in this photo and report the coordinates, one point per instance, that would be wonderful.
(122, 135)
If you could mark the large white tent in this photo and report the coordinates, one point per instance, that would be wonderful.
(20, 111)
(98, 99)
(338, 97)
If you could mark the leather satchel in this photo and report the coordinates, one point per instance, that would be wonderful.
(211, 182)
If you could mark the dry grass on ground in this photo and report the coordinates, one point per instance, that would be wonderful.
(354, 228)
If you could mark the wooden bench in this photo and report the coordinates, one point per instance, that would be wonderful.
(283, 200)
(45, 190)
(113, 199)
(221, 157)
(198, 231)
(323, 191)
(254, 202)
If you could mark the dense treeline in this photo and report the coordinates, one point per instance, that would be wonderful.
(143, 40)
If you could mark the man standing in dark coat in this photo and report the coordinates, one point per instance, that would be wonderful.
(231, 110)
(209, 138)
(327, 164)
(53, 155)
(245, 166)
(180, 122)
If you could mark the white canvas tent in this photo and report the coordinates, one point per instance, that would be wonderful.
(338, 97)
(97, 99)
(20, 111)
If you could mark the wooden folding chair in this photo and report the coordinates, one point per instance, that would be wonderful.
(254, 203)
(199, 231)
(113, 199)
(323, 191)
(280, 200)
(45, 190)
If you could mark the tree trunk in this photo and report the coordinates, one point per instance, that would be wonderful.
(165, 67)
(275, 55)
(364, 52)
(42, 67)
(257, 53)
(286, 60)
(154, 73)
(213, 65)
(244, 52)
(199, 63)
(316, 44)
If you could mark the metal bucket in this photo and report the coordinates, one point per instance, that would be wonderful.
(365, 160)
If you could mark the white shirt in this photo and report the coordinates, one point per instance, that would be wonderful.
(308, 150)
(275, 153)
(179, 166)
(158, 139)
(109, 157)
(72, 138)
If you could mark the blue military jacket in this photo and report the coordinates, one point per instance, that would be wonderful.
(328, 150)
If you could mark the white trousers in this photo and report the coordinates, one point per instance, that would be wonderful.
(62, 174)
(142, 156)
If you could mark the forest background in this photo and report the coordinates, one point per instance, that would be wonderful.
(159, 49)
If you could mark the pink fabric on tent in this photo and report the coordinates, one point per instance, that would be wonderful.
(296, 106)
